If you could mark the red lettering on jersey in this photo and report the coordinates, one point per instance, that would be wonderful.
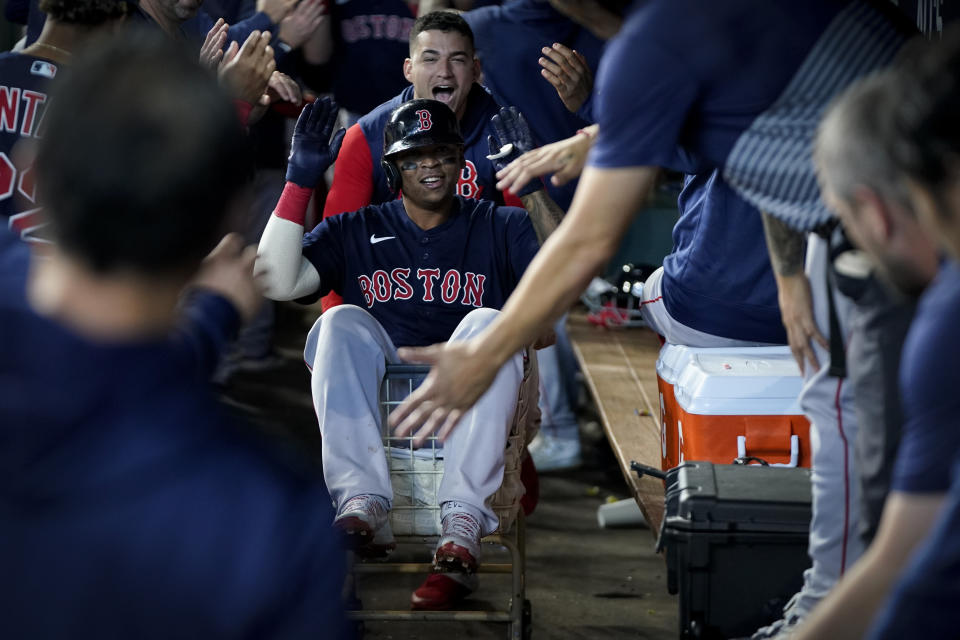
(467, 185)
(366, 286)
(8, 175)
(377, 22)
(9, 108)
(26, 222)
(381, 286)
(393, 28)
(425, 122)
(25, 184)
(363, 29)
(403, 289)
(32, 98)
(450, 290)
(348, 31)
(473, 289)
(428, 276)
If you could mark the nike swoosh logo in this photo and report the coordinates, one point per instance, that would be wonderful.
(374, 239)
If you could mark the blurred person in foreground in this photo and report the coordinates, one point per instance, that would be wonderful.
(925, 143)
(132, 506)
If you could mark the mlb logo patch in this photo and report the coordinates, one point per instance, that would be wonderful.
(42, 68)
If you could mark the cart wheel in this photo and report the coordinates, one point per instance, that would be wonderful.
(527, 625)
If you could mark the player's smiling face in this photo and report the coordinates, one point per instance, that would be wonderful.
(442, 66)
(429, 174)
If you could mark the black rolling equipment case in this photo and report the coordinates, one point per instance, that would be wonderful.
(736, 544)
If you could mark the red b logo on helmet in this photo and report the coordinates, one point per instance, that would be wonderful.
(425, 122)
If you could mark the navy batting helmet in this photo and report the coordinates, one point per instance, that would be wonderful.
(414, 124)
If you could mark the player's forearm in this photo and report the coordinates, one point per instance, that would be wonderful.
(545, 214)
(850, 607)
(287, 275)
(785, 245)
(603, 207)
(318, 49)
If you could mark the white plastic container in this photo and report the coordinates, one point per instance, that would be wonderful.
(741, 403)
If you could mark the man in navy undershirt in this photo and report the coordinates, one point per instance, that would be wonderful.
(133, 505)
(925, 144)
(701, 87)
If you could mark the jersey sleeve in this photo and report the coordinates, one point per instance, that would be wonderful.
(208, 324)
(324, 248)
(522, 242)
(928, 390)
(640, 119)
(352, 187)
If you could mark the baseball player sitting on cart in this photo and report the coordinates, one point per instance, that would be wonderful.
(428, 267)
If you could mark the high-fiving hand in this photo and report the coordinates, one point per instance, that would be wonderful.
(312, 150)
(513, 139)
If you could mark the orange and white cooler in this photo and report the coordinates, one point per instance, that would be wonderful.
(671, 361)
(734, 403)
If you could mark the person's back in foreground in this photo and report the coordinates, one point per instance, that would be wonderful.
(132, 506)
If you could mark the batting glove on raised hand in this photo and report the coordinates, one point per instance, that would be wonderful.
(311, 150)
(513, 139)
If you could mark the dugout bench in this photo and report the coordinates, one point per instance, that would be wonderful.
(619, 367)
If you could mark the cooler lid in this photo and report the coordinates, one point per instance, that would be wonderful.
(713, 497)
(674, 358)
(738, 384)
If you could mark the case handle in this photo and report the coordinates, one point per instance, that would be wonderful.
(794, 451)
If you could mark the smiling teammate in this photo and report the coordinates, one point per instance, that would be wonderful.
(431, 266)
(442, 66)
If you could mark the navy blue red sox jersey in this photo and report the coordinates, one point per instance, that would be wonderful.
(419, 284)
(24, 83)
(371, 40)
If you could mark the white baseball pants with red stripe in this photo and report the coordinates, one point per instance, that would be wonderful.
(660, 321)
(828, 403)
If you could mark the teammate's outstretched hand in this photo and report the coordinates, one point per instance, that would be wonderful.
(564, 159)
(311, 150)
(567, 70)
(301, 23)
(459, 375)
(246, 70)
(211, 53)
(276, 10)
(228, 271)
(282, 87)
(513, 139)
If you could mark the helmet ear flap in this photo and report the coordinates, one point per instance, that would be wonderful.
(392, 174)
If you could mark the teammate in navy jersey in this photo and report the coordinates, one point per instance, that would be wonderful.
(703, 87)
(368, 40)
(510, 41)
(25, 79)
(133, 505)
(429, 266)
(442, 66)
(925, 144)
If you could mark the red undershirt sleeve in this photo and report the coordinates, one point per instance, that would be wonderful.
(352, 187)
(511, 200)
(293, 203)
(243, 109)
